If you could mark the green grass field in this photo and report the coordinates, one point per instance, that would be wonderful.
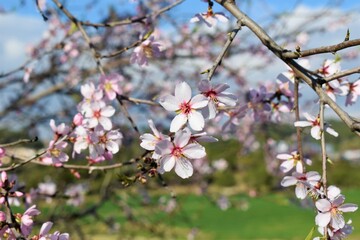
(269, 217)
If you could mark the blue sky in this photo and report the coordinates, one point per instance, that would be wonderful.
(21, 26)
(188, 8)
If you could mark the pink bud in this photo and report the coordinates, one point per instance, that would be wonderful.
(2, 152)
(2, 216)
(3, 176)
(18, 194)
(78, 118)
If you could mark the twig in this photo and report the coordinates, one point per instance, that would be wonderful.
(127, 114)
(226, 47)
(78, 24)
(342, 74)
(323, 145)
(133, 20)
(297, 118)
(319, 50)
(19, 142)
(298, 70)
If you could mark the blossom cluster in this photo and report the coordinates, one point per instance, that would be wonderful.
(177, 151)
(92, 128)
(24, 222)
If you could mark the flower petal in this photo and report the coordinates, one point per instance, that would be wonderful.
(182, 92)
(178, 122)
(194, 151)
(323, 219)
(196, 121)
(183, 168)
(168, 162)
(170, 103)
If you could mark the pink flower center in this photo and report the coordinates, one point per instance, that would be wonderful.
(97, 114)
(148, 51)
(55, 152)
(324, 70)
(185, 108)
(176, 151)
(103, 139)
(316, 122)
(108, 86)
(211, 94)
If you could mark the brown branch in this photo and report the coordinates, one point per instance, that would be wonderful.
(297, 118)
(299, 71)
(19, 142)
(116, 53)
(342, 74)
(319, 50)
(132, 20)
(231, 36)
(78, 24)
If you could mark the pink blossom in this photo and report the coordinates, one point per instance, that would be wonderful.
(108, 141)
(186, 107)
(110, 85)
(2, 154)
(303, 182)
(149, 141)
(54, 154)
(315, 126)
(292, 160)
(290, 75)
(329, 68)
(217, 96)
(90, 94)
(98, 113)
(258, 102)
(210, 18)
(146, 50)
(78, 119)
(330, 212)
(178, 152)
(2, 217)
(353, 93)
(59, 130)
(27, 220)
(334, 88)
(44, 233)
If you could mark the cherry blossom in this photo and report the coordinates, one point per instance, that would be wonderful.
(110, 85)
(290, 75)
(146, 50)
(9, 187)
(217, 96)
(108, 141)
(315, 126)
(353, 93)
(44, 233)
(186, 108)
(329, 68)
(209, 18)
(59, 130)
(2, 154)
(303, 182)
(330, 212)
(54, 154)
(98, 113)
(178, 152)
(149, 141)
(334, 88)
(90, 93)
(27, 220)
(292, 160)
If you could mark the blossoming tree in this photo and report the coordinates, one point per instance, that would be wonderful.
(113, 76)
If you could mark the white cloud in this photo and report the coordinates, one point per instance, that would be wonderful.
(17, 32)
